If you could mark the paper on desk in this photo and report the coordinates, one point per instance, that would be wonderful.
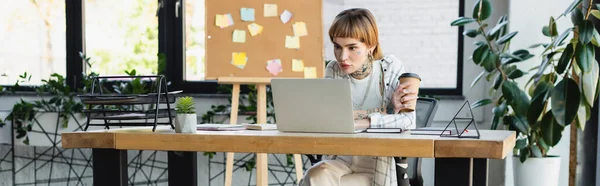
(270, 10)
(219, 127)
(292, 42)
(285, 16)
(254, 29)
(247, 14)
(310, 72)
(274, 66)
(239, 59)
(299, 29)
(239, 36)
(297, 65)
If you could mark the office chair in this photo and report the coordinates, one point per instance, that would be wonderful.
(425, 109)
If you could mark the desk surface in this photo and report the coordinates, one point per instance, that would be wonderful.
(494, 144)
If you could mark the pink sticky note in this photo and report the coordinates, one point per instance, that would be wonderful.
(274, 67)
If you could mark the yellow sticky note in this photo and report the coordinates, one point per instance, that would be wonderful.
(239, 36)
(310, 72)
(220, 20)
(297, 65)
(254, 29)
(239, 59)
(299, 29)
(270, 10)
(292, 42)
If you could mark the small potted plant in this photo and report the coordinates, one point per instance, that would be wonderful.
(186, 115)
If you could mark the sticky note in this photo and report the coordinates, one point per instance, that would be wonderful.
(220, 21)
(229, 19)
(239, 59)
(274, 66)
(297, 65)
(285, 16)
(239, 36)
(292, 42)
(254, 29)
(270, 10)
(223, 20)
(310, 72)
(299, 29)
(247, 14)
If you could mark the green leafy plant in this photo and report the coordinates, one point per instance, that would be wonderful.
(185, 105)
(562, 87)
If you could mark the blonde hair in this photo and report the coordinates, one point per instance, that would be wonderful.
(357, 23)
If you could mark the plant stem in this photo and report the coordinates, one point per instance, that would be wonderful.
(589, 9)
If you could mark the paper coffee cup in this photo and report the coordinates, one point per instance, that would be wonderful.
(415, 82)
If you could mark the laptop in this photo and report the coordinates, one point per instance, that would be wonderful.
(313, 105)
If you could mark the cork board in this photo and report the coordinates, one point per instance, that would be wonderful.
(269, 44)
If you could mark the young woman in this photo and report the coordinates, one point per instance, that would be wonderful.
(377, 97)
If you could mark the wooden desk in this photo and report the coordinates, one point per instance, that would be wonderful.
(457, 160)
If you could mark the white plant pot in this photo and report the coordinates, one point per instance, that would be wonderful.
(536, 171)
(186, 123)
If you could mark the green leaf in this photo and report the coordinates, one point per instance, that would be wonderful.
(522, 143)
(489, 62)
(551, 130)
(595, 38)
(556, 42)
(565, 101)
(506, 38)
(511, 56)
(486, 10)
(515, 74)
(553, 31)
(462, 21)
(586, 31)
(546, 31)
(589, 81)
(498, 27)
(565, 58)
(480, 53)
(498, 114)
(524, 153)
(477, 78)
(535, 45)
(582, 115)
(516, 98)
(596, 13)
(538, 102)
(498, 81)
(471, 33)
(482, 102)
(520, 123)
(584, 55)
(535, 151)
(571, 7)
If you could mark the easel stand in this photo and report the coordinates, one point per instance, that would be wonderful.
(262, 173)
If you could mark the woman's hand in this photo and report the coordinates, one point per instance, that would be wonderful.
(362, 124)
(402, 97)
(360, 114)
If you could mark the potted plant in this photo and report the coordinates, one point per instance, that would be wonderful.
(560, 91)
(186, 115)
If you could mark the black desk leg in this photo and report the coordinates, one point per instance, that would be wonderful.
(455, 171)
(110, 167)
(183, 168)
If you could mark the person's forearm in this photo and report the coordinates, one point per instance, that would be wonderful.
(362, 124)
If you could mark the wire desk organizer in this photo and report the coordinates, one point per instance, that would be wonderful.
(470, 119)
(116, 109)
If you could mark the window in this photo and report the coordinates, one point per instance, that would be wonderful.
(413, 34)
(33, 40)
(121, 36)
